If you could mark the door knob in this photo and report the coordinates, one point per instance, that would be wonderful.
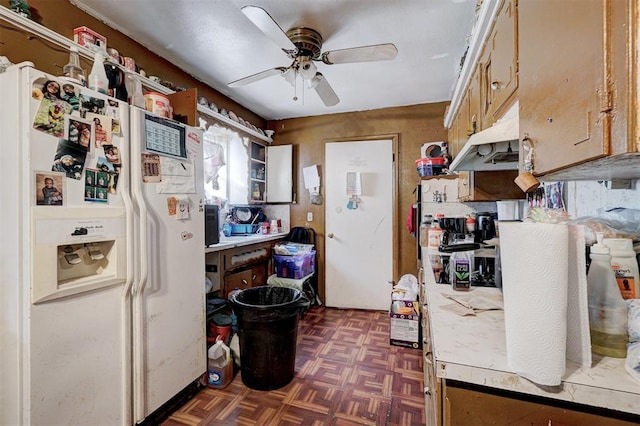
(330, 235)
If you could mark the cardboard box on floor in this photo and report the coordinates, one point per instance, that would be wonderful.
(405, 325)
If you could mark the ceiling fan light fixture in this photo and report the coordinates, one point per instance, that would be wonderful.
(312, 83)
(307, 69)
(290, 76)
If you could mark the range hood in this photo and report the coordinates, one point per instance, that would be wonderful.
(495, 148)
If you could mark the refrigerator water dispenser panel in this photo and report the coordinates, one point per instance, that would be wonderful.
(78, 255)
(83, 261)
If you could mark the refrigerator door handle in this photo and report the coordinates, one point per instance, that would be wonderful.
(139, 385)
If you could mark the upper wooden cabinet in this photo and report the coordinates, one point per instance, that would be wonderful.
(578, 90)
(499, 64)
(564, 94)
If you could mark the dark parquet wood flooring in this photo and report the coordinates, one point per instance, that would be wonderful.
(346, 374)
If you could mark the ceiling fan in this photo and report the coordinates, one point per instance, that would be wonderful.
(304, 46)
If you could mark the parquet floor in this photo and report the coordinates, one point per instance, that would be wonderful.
(346, 374)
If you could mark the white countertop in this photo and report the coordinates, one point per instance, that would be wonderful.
(473, 349)
(243, 240)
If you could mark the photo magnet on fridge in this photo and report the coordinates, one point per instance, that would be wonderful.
(79, 131)
(49, 188)
(50, 115)
(102, 128)
(69, 159)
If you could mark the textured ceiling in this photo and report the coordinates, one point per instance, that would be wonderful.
(216, 43)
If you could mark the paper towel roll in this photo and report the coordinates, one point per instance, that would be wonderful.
(534, 280)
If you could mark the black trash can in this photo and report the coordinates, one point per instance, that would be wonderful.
(268, 328)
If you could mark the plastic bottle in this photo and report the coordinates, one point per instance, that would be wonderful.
(434, 235)
(98, 80)
(607, 308)
(72, 70)
(219, 365)
(460, 264)
(625, 266)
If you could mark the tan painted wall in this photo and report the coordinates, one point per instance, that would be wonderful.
(413, 125)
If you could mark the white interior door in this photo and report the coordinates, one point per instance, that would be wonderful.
(359, 241)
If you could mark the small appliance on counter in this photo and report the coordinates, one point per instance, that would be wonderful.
(485, 226)
(457, 237)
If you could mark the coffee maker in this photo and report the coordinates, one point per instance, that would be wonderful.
(455, 236)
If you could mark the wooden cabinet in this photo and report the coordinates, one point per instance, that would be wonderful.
(241, 280)
(488, 186)
(499, 64)
(564, 90)
(245, 266)
(491, 90)
(432, 383)
(578, 87)
(473, 405)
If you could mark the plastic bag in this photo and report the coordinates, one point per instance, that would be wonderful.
(633, 320)
(406, 289)
(615, 223)
(632, 363)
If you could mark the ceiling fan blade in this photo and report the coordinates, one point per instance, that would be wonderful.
(376, 52)
(257, 77)
(325, 91)
(267, 25)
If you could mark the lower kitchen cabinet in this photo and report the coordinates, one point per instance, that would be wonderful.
(470, 405)
(432, 383)
(245, 266)
(240, 280)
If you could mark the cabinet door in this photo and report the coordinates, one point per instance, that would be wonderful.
(280, 174)
(475, 106)
(238, 172)
(241, 280)
(259, 274)
(464, 185)
(474, 407)
(500, 73)
(462, 125)
(258, 172)
(562, 81)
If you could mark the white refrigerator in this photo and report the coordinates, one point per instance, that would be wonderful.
(102, 306)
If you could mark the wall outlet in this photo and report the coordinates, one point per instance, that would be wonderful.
(309, 216)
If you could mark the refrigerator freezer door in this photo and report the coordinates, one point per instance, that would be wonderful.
(168, 299)
(63, 344)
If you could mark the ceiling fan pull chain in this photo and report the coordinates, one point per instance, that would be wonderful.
(295, 87)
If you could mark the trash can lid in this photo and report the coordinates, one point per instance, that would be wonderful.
(222, 319)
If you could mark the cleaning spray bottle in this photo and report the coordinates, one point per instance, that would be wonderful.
(607, 308)
(98, 80)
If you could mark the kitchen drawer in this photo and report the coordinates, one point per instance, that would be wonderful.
(241, 280)
(246, 255)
